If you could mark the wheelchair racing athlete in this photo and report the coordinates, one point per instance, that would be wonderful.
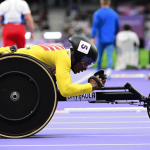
(81, 55)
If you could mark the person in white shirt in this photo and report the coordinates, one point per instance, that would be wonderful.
(13, 15)
(127, 43)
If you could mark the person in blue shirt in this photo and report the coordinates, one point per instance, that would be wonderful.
(105, 26)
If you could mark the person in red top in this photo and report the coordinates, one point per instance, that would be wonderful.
(13, 15)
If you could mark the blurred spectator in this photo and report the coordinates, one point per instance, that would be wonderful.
(127, 43)
(105, 26)
(13, 15)
(39, 13)
(77, 23)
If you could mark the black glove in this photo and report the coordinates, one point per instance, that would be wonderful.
(100, 74)
(97, 81)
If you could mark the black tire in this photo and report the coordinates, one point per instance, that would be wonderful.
(28, 96)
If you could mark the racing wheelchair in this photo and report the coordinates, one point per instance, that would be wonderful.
(29, 96)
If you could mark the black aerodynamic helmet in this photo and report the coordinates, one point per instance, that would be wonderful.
(84, 50)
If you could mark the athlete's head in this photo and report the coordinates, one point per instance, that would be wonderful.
(127, 27)
(84, 53)
(105, 3)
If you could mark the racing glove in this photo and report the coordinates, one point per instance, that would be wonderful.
(101, 75)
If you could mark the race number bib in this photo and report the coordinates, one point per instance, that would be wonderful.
(84, 47)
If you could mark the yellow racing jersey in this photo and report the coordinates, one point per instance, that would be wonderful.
(57, 59)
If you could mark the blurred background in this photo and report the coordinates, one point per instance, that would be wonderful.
(74, 17)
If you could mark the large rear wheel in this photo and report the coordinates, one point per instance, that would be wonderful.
(28, 96)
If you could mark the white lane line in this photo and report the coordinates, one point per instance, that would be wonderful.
(40, 136)
(114, 109)
(98, 122)
(122, 128)
(83, 79)
(128, 75)
(100, 117)
(99, 109)
(62, 145)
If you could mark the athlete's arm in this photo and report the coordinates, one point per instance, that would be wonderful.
(0, 21)
(117, 25)
(66, 88)
(23, 7)
(2, 11)
(95, 25)
(29, 21)
(136, 39)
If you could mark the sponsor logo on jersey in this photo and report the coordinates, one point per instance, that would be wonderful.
(83, 97)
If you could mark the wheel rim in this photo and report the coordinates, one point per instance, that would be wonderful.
(36, 121)
(18, 103)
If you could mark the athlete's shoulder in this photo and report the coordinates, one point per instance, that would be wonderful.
(4, 7)
(57, 47)
(62, 58)
(121, 33)
(97, 12)
(4, 3)
(51, 47)
(113, 11)
(133, 33)
(63, 54)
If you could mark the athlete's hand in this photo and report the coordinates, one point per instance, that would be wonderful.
(101, 75)
(104, 80)
(32, 37)
(101, 80)
(94, 84)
